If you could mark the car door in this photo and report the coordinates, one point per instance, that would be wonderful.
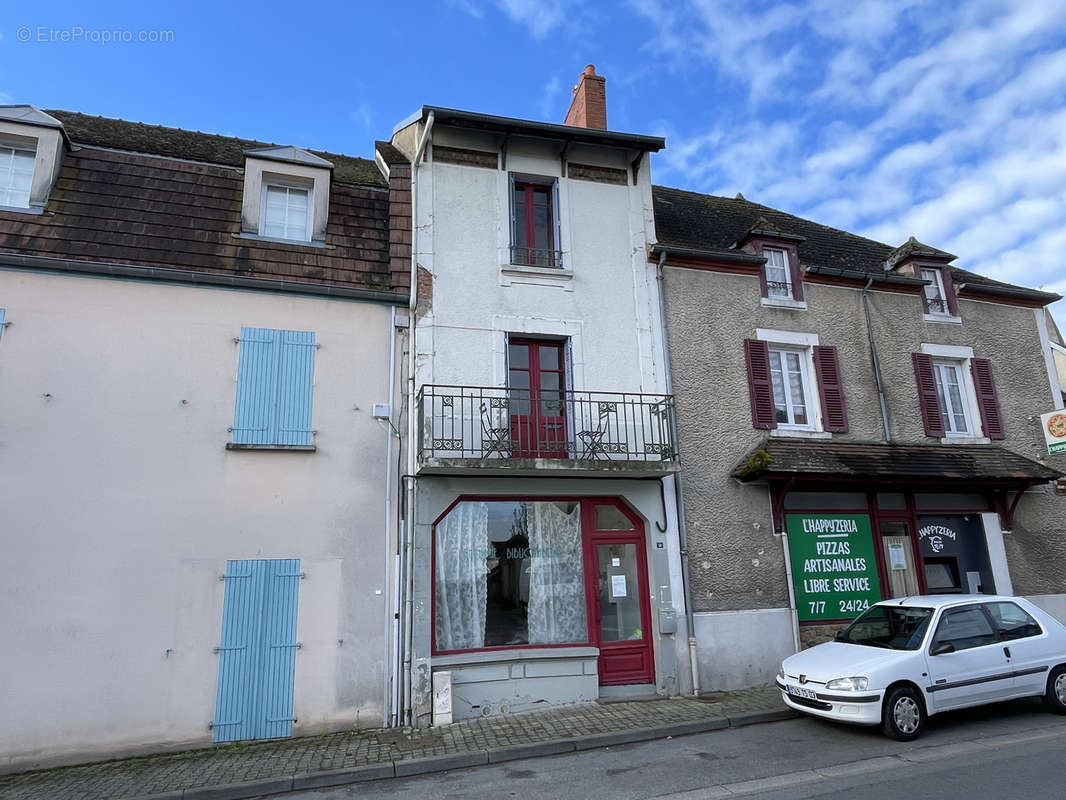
(1026, 644)
(976, 670)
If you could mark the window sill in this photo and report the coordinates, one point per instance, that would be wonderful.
(788, 433)
(542, 276)
(784, 302)
(293, 448)
(965, 440)
(522, 653)
(22, 209)
(942, 318)
(255, 237)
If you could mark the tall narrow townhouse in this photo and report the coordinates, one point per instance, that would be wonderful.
(193, 475)
(858, 422)
(544, 566)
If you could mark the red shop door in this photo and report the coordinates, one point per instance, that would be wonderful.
(536, 381)
(620, 622)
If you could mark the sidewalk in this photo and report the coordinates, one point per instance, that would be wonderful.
(249, 770)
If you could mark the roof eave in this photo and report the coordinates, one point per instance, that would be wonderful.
(713, 255)
(456, 118)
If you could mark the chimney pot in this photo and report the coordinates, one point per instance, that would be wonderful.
(588, 108)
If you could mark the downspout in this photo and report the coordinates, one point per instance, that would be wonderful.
(679, 495)
(391, 606)
(412, 438)
(876, 360)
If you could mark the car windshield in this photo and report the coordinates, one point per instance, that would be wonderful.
(892, 627)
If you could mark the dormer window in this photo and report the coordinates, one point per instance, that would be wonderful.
(16, 174)
(935, 299)
(778, 277)
(286, 195)
(286, 212)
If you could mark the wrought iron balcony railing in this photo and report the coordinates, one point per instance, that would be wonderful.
(536, 257)
(600, 429)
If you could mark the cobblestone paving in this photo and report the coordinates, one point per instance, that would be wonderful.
(235, 763)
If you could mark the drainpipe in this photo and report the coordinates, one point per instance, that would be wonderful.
(412, 438)
(876, 360)
(391, 607)
(679, 496)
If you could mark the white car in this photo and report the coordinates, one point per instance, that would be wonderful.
(905, 659)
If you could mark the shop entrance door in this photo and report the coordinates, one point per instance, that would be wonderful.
(621, 609)
(898, 551)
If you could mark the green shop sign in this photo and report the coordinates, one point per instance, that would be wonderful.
(834, 569)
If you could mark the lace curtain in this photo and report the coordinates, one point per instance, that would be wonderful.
(461, 584)
(556, 579)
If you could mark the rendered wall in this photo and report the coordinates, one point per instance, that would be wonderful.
(122, 505)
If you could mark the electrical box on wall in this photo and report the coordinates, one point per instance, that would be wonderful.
(382, 410)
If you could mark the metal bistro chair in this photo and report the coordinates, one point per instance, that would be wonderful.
(494, 439)
(592, 439)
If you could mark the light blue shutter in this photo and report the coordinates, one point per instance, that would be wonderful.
(296, 375)
(1, 323)
(279, 640)
(257, 652)
(238, 653)
(254, 417)
(275, 376)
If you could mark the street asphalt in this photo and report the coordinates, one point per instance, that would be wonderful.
(1004, 751)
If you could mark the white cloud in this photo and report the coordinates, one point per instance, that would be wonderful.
(540, 16)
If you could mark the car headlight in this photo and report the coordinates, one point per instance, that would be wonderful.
(855, 684)
(781, 673)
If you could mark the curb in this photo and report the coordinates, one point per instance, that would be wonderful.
(410, 767)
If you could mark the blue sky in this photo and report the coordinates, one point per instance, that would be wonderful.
(944, 119)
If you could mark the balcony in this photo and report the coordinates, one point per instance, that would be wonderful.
(493, 430)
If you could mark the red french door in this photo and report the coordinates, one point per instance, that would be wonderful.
(616, 568)
(536, 380)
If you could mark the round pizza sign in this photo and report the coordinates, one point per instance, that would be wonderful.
(1054, 424)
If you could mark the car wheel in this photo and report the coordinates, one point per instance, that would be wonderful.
(903, 716)
(1055, 696)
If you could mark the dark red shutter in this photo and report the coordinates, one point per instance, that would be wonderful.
(926, 380)
(762, 276)
(985, 388)
(830, 389)
(949, 291)
(797, 274)
(760, 386)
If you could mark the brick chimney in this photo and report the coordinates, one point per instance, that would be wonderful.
(588, 109)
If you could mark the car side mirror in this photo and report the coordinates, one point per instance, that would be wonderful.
(839, 636)
(940, 649)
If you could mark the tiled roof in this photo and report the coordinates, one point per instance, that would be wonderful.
(878, 461)
(707, 222)
(125, 208)
(194, 145)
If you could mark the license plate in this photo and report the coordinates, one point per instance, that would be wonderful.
(799, 691)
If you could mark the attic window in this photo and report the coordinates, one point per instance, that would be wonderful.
(286, 212)
(16, 175)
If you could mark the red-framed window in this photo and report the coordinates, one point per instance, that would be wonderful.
(533, 233)
(520, 572)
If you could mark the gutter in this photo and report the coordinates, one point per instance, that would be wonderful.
(734, 256)
(1009, 291)
(679, 496)
(412, 431)
(876, 361)
(192, 277)
(861, 275)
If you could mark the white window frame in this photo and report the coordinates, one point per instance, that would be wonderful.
(960, 356)
(7, 176)
(930, 315)
(802, 343)
(273, 183)
(802, 357)
(948, 410)
(785, 266)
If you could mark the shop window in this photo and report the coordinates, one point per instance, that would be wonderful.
(950, 502)
(825, 501)
(892, 501)
(507, 574)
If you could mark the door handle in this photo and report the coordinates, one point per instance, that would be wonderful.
(1006, 651)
